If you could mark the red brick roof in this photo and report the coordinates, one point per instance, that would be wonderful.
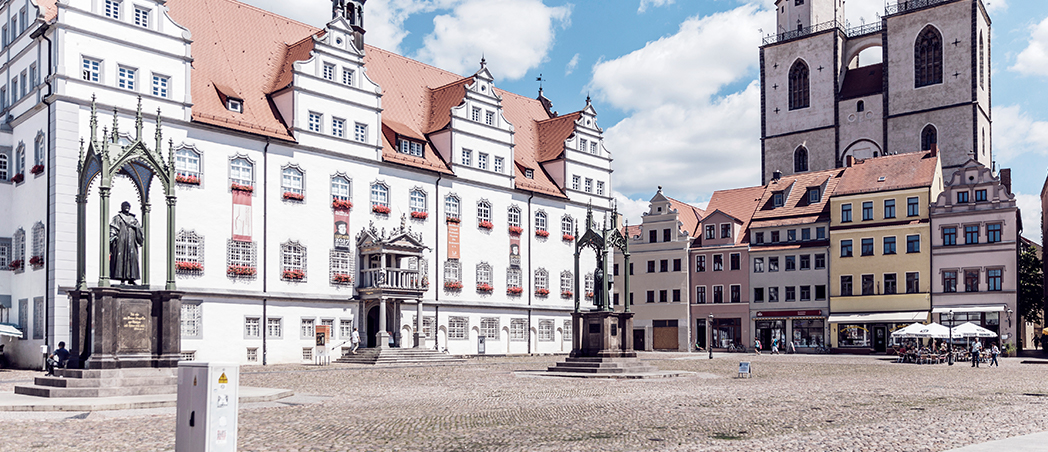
(739, 203)
(797, 202)
(901, 171)
(552, 133)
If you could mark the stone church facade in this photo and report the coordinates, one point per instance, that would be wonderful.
(820, 104)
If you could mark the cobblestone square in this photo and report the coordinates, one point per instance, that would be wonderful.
(792, 402)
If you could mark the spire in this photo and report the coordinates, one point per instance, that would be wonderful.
(483, 61)
(116, 126)
(138, 120)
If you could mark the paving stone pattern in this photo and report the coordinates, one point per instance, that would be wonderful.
(794, 402)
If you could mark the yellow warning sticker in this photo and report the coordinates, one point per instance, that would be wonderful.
(223, 380)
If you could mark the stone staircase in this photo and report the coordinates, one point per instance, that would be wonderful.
(587, 365)
(103, 383)
(399, 356)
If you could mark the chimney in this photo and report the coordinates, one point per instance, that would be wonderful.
(776, 175)
(1006, 178)
(935, 150)
(849, 161)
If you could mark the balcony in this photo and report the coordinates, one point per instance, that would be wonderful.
(394, 279)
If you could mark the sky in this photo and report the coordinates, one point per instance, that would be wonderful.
(675, 82)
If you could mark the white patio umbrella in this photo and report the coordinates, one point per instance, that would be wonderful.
(908, 331)
(969, 329)
(931, 330)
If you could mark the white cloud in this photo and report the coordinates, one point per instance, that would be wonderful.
(571, 65)
(996, 5)
(631, 208)
(1033, 60)
(679, 125)
(1015, 133)
(514, 36)
(656, 3)
(1030, 207)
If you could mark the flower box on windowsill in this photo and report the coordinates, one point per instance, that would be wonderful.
(37, 169)
(516, 230)
(245, 188)
(589, 294)
(455, 220)
(486, 225)
(185, 266)
(419, 215)
(566, 294)
(484, 287)
(453, 285)
(18, 178)
(187, 179)
(36, 261)
(542, 292)
(568, 238)
(514, 290)
(294, 275)
(380, 209)
(339, 204)
(542, 233)
(240, 271)
(341, 278)
(292, 196)
(16, 265)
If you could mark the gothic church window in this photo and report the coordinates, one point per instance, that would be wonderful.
(860, 106)
(799, 85)
(981, 75)
(927, 58)
(800, 160)
(929, 136)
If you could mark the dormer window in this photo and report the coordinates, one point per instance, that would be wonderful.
(776, 199)
(813, 195)
(234, 105)
(410, 148)
(529, 173)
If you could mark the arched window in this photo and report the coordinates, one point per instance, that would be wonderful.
(20, 160)
(293, 261)
(567, 226)
(340, 188)
(860, 106)
(800, 160)
(18, 254)
(981, 75)
(541, 279)
(187, 164)
(3, 166)
(379, 195)
(291, 183)
(513, 278)
(483, 274)
(567, 282)
(540, 221)
(38, 240)
(927, 58)
(417, 201)
(483, 212)
(38, 150)
(799, 85)
(451, 208)
(514, 216)
(240, 172)
(929, 136)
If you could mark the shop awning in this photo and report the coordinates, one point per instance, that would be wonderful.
(876, 317)
(9, 330)
(969, 308)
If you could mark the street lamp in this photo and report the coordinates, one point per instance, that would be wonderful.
(949, 358)
(709, 334)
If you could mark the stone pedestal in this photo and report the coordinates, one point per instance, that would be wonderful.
(382, 337)
(602, 334)
(125, 327)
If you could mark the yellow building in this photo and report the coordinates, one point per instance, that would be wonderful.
(880, 248)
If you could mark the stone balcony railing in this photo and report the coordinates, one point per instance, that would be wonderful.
(391, 279)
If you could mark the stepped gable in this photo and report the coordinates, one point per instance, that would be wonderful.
(739, 203)
(687, 214)
(901, 171)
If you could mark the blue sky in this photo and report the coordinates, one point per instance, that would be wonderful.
(675, 81)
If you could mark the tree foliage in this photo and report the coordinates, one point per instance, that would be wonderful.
(1031, 285)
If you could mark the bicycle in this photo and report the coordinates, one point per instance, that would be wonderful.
(822, 350)
(732, 348)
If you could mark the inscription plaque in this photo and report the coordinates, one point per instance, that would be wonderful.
(134, 325)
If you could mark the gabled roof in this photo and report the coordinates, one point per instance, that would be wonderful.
(688, 215)
(796, 204)
(900, 171)
(739, 203)
(552, 133)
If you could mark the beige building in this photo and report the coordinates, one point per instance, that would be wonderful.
(820, 104)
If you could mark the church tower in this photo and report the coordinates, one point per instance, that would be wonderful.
(820, 103)
(353, 12)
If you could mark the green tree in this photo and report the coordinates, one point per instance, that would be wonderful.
(1031, 285)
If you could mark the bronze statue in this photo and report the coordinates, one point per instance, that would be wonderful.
(598, 283)
(125, 236)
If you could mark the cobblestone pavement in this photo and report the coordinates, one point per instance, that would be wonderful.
(794, 402)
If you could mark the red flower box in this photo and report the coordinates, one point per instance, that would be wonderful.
(240, 270)
(514, 290)
(516, 230)
(568, 238)
(18, 178)
(484, 287)
(239, 187)
(542, 292)
(486, 224)
(36, 261)
(187, 179)
(341, 278)
(340, 204)
(379, 208)
(589, 294)
(185, 266)
(295, 275)
(542, 233)
(16, 265)
(37, 169)
(292, 196)
(453, 285)
(453, 220)
(566, 294)
(419, 215)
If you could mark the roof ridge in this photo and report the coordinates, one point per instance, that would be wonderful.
(271, 13)
(395, 54)
(555, 118)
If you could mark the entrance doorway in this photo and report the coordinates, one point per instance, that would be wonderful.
(372, 326)
(638, 339)
(664, 335)
(879, 339)
(700, 332)
(770, 330)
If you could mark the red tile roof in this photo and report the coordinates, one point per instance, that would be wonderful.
(552, 133)
(901, 171)
(739, 203)
(797, 201)
(689, 215)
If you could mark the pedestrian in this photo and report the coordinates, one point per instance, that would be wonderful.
(757, 345)
(993, 356)
(775, 346)
(57, 359)
(355, 340)
(975, 353)
(790, 348)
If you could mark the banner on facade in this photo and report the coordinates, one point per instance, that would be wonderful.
(514, 251)
(453, 240)
(342, 229)
(241, 216)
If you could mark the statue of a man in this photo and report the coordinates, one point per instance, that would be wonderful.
(125, 236)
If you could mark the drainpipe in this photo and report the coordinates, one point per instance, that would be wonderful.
(530, 274)
(264, 323)
(436, 262)
(48, 281)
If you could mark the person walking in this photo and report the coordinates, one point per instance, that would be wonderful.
(757, 345)
(775, 346)
(993, 356)
(354, 339)
(976, 346)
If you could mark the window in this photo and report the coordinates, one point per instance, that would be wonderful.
(417, 201)
(540, 221)
(650, 296)
(971, 234)
(347, 77)
(820, 292)
(889, 208)
(489, 327)
(700, 263)
(340, 267)
(452, 271)
(241, 254)
(340, 188)
(499, 164)
(971, 280)
(867, 284)
(126, 78)
(758, 265)
(484, 273)
(483, 212)
(981, 74)
(458, 328)
(805, 262)
(718, 294)
(467, 157)
(913, 243)
(575, 182)
(489, 118)
(889, 245)
(993, 279)
(566, 282)
(329, 71)
(541, 279)
(913, 282)
(274, 327)
(567, 226)
(949, 281)
(799, 85)
(141, 17)
(545, 330)
(651, 266)
(91, 71)
(112, 10)
(589, 185)
(593, 147)
(518, 329)
(993, 233)
(235, 105)
(962, 197)
(582, 144)
(929, 136)
(846, 285)
(820, 233)
(927, 58)
(600, 187)
(160, 84)
(776, 199)
(773, 295)
(846, 248)
(360, 132)
(18, 240)
(913, 207)
(718, 262)
(773, 264)
(949, 235)
(529, 173)
(451, 207)
(291, 181)
(314, 122)
(725, 231)
(663, 296)
(3, 97)
(476, 114)
(791, 263)
(711, 231)
(240, 172)
(846, 213)
(700, 294)
(345, 328)
(813, 195)
(566, 332)
(379, 195)
(3, 167)
(252, 354)
(664, 265)
(293, 261)
(759, 237)
(980, 195)
(805, 293)
(482, 160)
(191, 320)
(758, 295)
(860, 106)
(308, 328)
(38, 150)
(800, 160)
(338, 127)
(867, 210)
(791, 293)
(734, 291)
(791, 235)
(735, 262)
(252, 327)
(189, 248)
(867, 247)
(20, 159)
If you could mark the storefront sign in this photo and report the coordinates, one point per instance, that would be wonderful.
(342, 241)
(453, 240)
(241, 216)
(809, 313)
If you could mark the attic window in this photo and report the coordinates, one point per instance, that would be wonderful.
(813, 195)
(529, 173)
(235, 105)
(410, 147)
(880, 179)
(776, 199)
